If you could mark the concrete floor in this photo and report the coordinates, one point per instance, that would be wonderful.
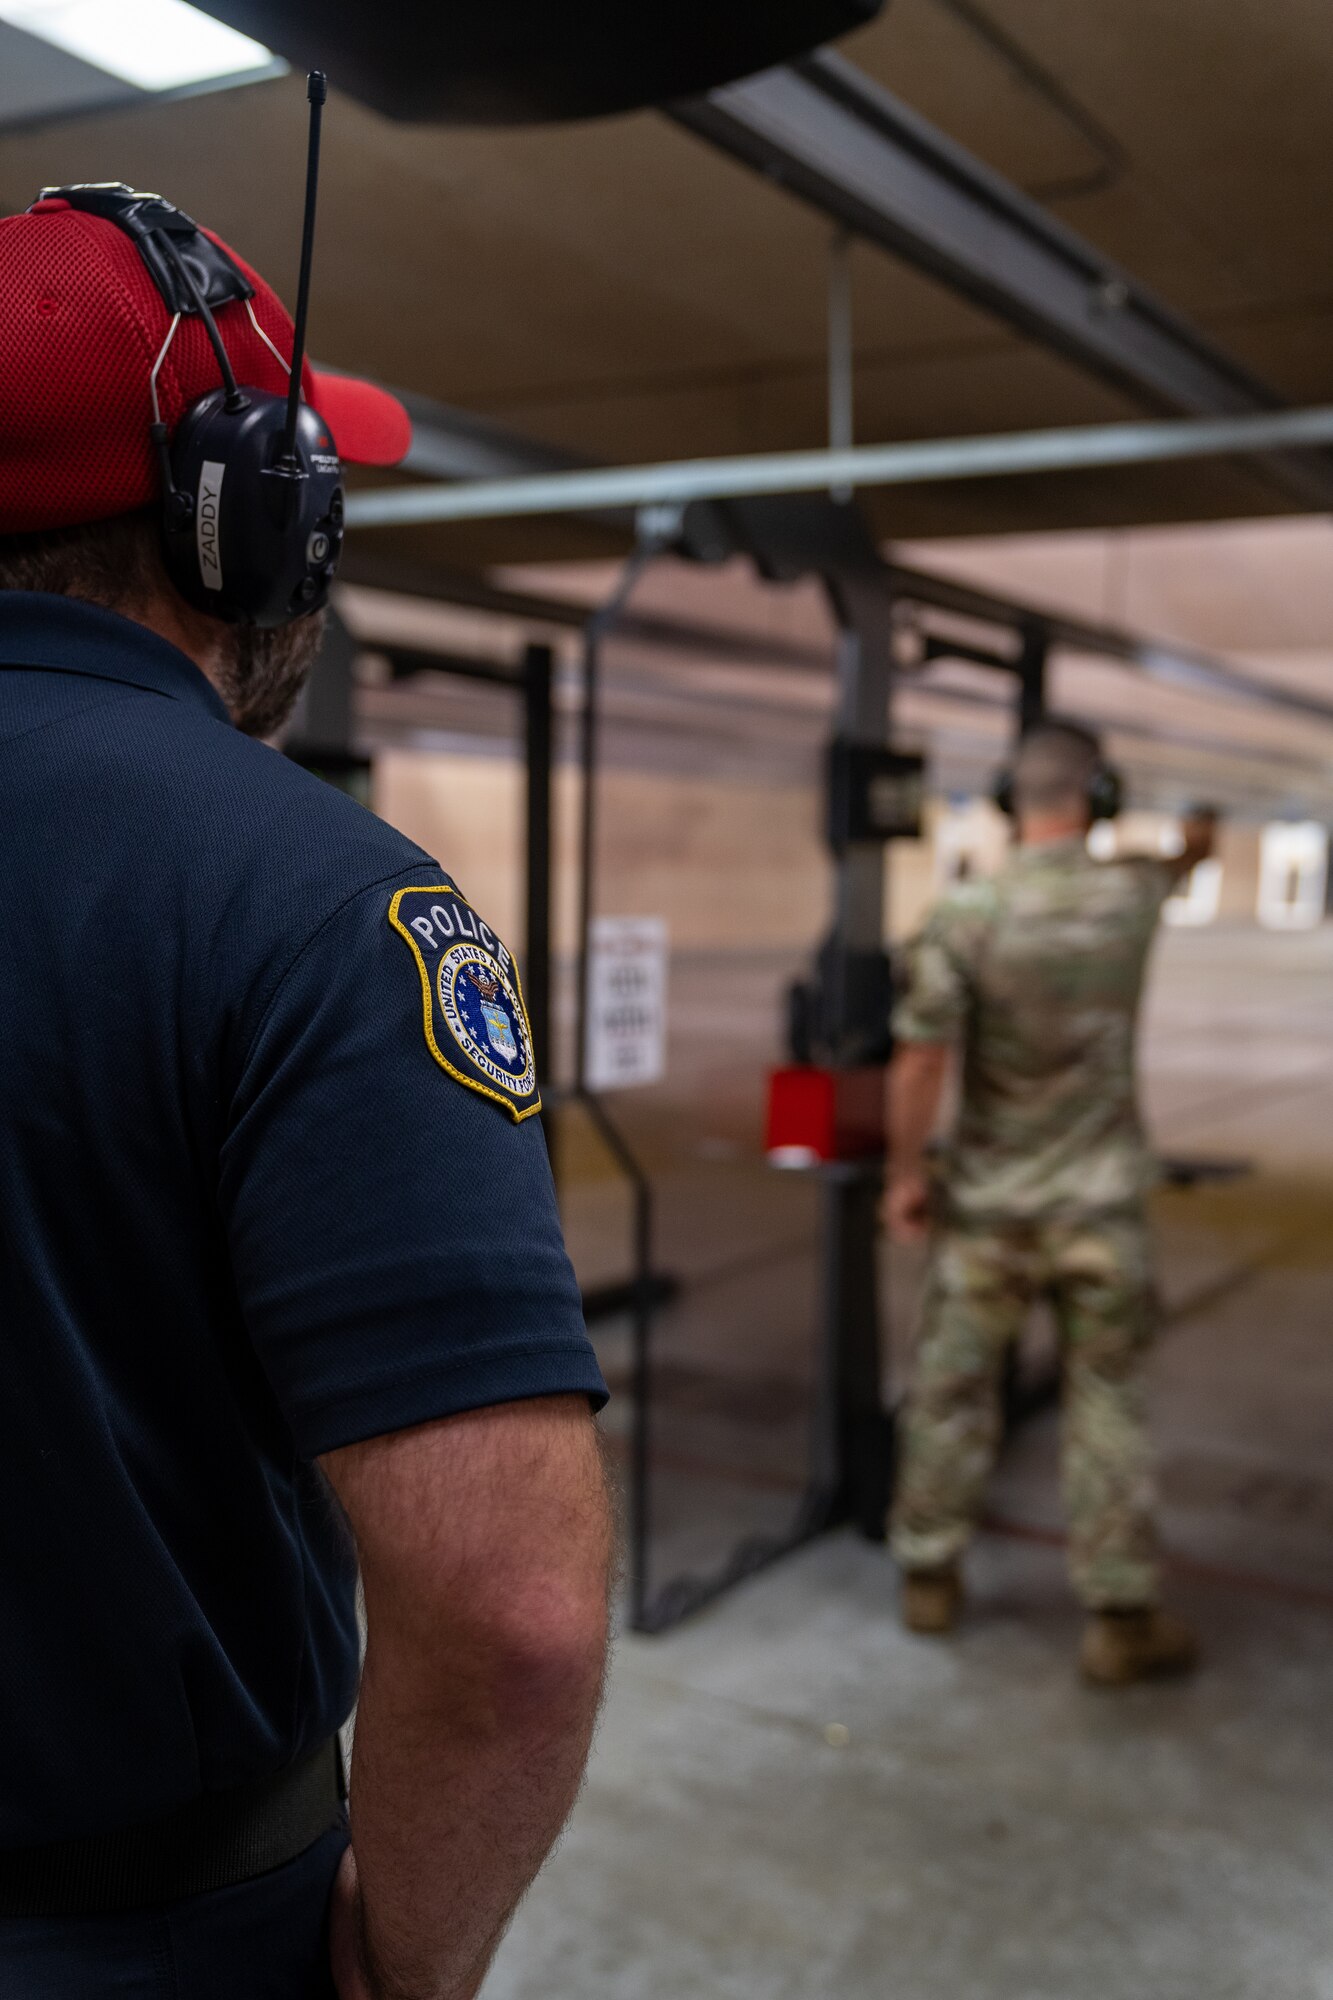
(790, 1797)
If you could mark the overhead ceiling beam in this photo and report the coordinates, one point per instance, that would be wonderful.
(1186, 667)
(824, 130)
(691, 639)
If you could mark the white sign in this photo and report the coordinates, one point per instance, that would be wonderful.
(627, 983)
(961, 844)
(1293, 875)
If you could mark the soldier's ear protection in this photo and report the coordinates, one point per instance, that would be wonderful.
(1105, 792)
(252, 498)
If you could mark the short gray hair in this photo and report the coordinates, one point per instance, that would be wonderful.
(1055, 765)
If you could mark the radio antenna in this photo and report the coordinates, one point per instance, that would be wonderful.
(316, 90)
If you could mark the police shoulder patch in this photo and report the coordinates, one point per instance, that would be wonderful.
(472, 1002)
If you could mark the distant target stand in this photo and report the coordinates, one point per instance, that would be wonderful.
(819, 1113)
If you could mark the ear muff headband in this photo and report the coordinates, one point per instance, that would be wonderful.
(1106, 793)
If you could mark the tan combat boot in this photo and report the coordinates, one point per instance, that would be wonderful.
(932, 1599)
(1143, 1645)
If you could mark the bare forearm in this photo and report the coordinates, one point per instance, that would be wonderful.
(485, 1544)
(457, 1796)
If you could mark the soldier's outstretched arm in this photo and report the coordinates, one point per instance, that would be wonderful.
(917, 1076)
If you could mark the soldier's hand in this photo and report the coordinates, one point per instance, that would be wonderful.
(1198, 828)
(907, 1207)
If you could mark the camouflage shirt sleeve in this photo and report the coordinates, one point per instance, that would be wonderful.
(1156, 879)
(938, 968)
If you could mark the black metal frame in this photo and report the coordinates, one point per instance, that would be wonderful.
(682, 1596)
(538, 676)
(853, 1432)
(643, 1292)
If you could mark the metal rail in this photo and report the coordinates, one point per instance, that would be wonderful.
(679, 482)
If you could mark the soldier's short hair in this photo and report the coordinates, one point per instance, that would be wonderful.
(1055, 766)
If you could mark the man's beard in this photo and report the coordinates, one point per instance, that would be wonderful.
(262, 672)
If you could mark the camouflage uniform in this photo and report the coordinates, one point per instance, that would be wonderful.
(1037, 975)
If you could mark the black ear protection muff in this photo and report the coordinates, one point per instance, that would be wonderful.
(252, 497)
(1105, 792)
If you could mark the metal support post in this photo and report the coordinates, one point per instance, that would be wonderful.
(860, 1432)
(538, 668)
(1032, 663)
(853, 1439)
(841, 353)
(643, 1290)
(323, 716)
(1032, 669)
(538, 672)
(321, 734)
(861, 1436)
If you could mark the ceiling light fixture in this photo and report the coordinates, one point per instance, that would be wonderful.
(156, 45)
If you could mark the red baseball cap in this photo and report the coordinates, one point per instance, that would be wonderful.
(81, 325)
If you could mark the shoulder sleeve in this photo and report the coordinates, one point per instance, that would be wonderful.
(385, 1188)
(1154, 879)
(938, 985)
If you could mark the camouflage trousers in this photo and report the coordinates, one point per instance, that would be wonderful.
(1097, 1274)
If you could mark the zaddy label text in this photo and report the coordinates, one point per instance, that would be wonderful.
(208, 522)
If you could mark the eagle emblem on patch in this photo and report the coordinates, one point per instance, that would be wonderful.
(475, 1021)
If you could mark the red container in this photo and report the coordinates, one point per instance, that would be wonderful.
(815, 1115)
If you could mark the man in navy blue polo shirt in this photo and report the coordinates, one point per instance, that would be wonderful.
(281, 1275)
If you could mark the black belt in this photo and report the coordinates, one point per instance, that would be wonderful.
(217, 1840)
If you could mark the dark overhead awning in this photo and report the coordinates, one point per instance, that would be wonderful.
(528, 61)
